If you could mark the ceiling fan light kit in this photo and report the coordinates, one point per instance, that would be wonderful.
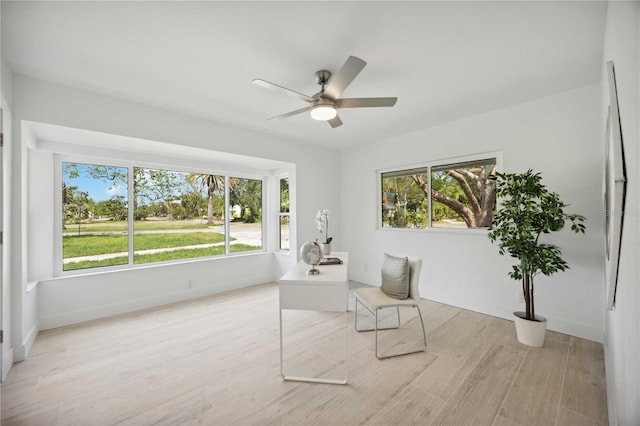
(324, 110)
(324, 105)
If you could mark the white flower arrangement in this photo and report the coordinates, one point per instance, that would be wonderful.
(322, 222)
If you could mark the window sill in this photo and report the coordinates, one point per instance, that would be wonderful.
(31, 285)
(127, 268)
(460, 231)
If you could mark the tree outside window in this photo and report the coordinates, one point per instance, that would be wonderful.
(404, 204)
(94, 215)
(245, 215)
(176, 215)
(458, 195)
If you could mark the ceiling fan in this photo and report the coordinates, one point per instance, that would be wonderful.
(324, 105)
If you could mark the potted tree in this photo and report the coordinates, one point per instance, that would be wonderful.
(527, 211)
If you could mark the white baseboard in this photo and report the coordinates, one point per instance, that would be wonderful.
(109, 310)
(612, 402)
(21, 352)
(553, 323)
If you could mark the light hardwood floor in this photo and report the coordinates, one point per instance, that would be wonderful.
(215, 361)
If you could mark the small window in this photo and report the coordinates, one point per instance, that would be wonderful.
(95, 216)
(177, 215)
(284, 214)
(404, 201)
(439, 195)
(464, 195)
(245, 214)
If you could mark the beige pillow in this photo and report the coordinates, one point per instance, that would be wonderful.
(395, 276)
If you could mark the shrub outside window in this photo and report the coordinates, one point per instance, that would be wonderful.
(453, 195)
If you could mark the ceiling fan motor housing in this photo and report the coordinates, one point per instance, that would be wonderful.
(322, 77)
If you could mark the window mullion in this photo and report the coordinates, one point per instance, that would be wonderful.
(227, 213)
(130, 212)
(429, 199)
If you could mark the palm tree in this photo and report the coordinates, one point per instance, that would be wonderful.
(212, 184)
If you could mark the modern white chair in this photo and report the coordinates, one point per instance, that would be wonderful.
(374, 300)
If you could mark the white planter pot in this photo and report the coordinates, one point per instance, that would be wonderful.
(326, 249)
(530, 332)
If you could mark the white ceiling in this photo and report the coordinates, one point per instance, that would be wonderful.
(443, 60)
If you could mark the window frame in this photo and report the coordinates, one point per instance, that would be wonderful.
(404, 172)
(263, 210)
(282, 214)
(59, 159)
(428, 166)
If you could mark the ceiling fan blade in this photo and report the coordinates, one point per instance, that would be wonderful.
(268, 85)
(365, 102)
(335, 122)
(345, 75)
(289, 114)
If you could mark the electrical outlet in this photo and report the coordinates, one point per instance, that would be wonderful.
(520, 297)
(189, 284)
(366, 267)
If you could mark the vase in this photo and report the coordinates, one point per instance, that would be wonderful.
(326, 248)
(530, 332)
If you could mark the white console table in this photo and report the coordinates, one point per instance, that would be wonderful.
(326, 291)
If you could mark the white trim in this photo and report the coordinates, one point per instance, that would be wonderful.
(553, 323)
(31, 285)
(448, 160)
(20, 352)
(130, 216)
(131, 305)
(280, 214)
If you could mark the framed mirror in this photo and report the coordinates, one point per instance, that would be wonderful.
(614, 190)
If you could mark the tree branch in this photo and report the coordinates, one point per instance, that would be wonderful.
(457, 206)
(453, 204)
(458, 175)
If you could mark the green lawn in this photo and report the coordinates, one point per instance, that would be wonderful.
(110, 237)
(158, 257)
(90, 245)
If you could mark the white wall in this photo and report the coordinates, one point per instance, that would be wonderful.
(7, 346)
(559, 136)
(622, 325)
(58, 301)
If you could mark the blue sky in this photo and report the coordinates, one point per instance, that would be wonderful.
(103, 188)
(98, 189)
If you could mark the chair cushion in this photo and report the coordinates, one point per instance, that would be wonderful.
(373, 298)
(395, 276)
